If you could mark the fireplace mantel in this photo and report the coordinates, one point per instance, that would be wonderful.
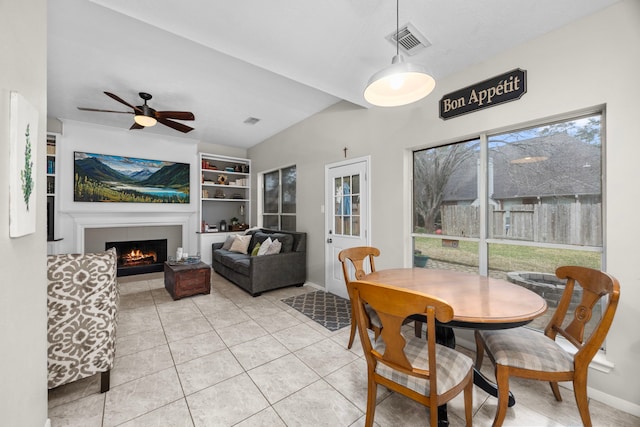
(85, 221)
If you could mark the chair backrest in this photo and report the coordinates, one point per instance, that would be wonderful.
(393, 306)
(595, 285)
(357, 255)
(82, 308)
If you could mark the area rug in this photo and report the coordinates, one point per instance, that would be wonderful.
(331, 311)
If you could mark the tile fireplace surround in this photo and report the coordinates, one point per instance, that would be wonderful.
(92, 230)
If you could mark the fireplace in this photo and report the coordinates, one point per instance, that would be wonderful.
(140, 256)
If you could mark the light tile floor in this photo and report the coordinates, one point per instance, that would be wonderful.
(228, 359)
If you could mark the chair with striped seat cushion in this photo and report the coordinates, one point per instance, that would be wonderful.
(429, 373)
(525, 353)
(357, 255)
(452, 366)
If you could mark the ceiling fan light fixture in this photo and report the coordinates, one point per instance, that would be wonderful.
(145, 119)
(401, 83)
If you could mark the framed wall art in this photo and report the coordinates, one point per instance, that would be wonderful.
(108, 178)
(23, 141)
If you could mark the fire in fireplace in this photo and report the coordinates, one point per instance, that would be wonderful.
(139, 256)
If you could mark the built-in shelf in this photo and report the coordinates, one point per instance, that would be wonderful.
(225, 193)
(51, 174)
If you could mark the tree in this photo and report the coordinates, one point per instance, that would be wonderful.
(432, 170)
(587, 129)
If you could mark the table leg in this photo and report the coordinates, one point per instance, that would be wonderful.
(446, 336)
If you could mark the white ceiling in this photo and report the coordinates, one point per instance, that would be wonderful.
(279, 60)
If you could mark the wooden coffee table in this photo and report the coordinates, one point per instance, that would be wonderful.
(184, 280)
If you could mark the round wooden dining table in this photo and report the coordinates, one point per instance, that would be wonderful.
(478, 302)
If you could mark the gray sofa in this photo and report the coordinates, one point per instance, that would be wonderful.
(257, 274)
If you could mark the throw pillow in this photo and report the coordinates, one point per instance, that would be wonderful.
(285, 239)
(265, 246)
(274, 248)
(255, 250)
(227, 243)
(240, 244)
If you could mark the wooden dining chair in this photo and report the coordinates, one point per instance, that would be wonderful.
(427, 372)
(357, 256)
(524, 353)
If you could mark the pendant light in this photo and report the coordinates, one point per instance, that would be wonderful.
(401, 83)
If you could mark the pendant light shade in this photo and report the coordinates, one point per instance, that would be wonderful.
(401, 83)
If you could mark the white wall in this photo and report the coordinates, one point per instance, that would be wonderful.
(23, 310)
(591, 63)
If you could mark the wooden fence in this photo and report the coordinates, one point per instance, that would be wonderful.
(572, 223)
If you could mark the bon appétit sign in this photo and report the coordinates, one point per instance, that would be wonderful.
(488, 93)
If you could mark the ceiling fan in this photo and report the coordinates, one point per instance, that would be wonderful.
(146, 116)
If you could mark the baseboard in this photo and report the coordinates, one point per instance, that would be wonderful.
(313, 285)
(607, 399)
(47, 423)
(595, 394)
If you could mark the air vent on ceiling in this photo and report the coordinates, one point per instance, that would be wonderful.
(410, 40)
(251, 120)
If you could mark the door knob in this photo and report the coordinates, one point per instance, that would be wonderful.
(329, 240)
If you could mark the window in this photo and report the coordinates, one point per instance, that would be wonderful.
(514, 205)
(279, 199)
(347, 205)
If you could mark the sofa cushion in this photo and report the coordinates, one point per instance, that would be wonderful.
(258, 237)
(284, 238)
(230, 259)
(240, 244)
(264, 246)
(256, 248)
(274, 248)
(227, 243)
(218, 254)
(241, 266)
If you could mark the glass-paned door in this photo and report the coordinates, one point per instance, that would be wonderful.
(347, 206)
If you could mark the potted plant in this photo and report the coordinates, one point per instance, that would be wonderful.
(234, 221)
(419, 259)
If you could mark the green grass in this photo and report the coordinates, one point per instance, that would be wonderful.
(508, 257)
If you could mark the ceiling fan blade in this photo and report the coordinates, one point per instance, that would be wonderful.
(179, 115)
(175, 125)
(136, 126)
(103, 111)
(122, 101)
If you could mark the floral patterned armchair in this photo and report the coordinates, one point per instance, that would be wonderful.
(82, 303)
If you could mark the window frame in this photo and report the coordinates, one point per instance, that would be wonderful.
(261, 197)
(484, 240)
(600, 361)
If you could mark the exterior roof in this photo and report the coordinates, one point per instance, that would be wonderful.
(567, 167)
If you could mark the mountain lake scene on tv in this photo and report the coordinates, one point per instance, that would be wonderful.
(106, 178)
